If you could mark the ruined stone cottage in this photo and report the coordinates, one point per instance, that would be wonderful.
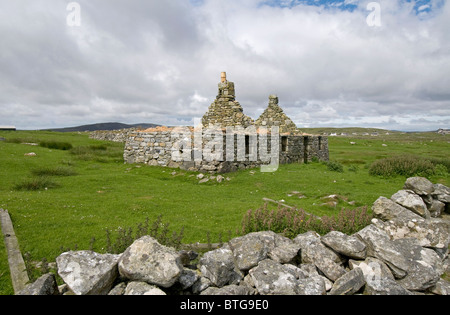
(227, 140)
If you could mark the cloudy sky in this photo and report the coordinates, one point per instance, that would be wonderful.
(154, 61)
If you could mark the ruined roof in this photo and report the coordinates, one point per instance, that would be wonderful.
(157, 129)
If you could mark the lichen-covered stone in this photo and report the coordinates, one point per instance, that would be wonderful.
(349, 246)
(218, 266)
(148, 261)
(87, 272)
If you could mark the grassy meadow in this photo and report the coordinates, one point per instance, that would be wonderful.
(75, 189)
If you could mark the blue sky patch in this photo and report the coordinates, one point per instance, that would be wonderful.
(420, 7)
(345, 5)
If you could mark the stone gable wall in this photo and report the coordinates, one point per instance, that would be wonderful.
(225, 110)
(274, 116)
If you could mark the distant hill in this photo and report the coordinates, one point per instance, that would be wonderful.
(348, 130)
(104, 126)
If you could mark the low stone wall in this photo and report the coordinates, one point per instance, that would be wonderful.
(403, 252)
(112, 135)
(164, 149)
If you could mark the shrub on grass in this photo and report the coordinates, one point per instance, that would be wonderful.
(36, 183)
(353, 168)
(14, 140)
(57, 145)
(21, 140)
(292, 222)
(407, 165)
(440, 170)
(335, 166)
(443, 162)
(158, 230)
(89, 149)
(99, 153)
(57, 171)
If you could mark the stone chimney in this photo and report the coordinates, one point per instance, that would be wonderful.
(225, 110)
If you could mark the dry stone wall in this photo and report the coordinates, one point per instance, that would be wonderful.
(400, 253)
(164, 148)
(112, 135)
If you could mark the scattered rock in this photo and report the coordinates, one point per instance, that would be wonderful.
(87, 272)
(201, 285)
(378, 277)
(148, 261)
(118, 289)
(252, 248)
(411, 201)
(218, 266)
(349, 283)
(313, 251)
(142, 288)
(349, 246)
(442, 287)
(187, 278)
(231, 289)
(387, 209)
(45, 285)
(285, 253)
(429, 233)
(272, 278)
(425, 267)
(380, 246)
(441, 193)
(419, 185)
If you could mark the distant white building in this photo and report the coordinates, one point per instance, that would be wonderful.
(7, 127)
(444, 131)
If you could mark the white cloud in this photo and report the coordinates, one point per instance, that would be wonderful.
(160, 61)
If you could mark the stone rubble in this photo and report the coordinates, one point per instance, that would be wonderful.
(400, 253)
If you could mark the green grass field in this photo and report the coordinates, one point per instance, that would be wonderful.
(62, 198)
